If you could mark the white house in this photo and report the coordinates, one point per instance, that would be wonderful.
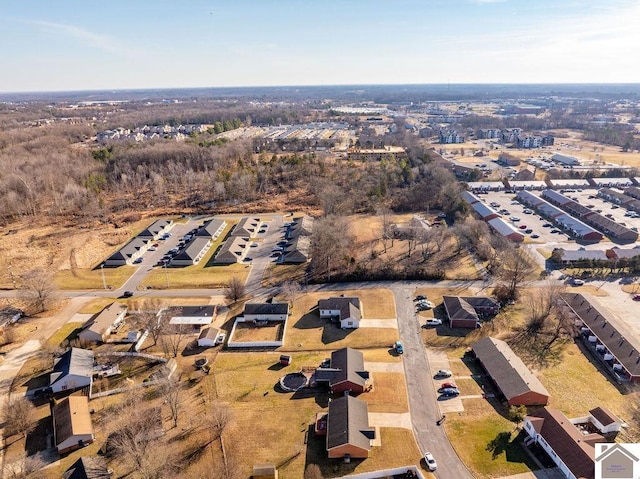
(72, 428)
(266, 311)
(97, 330)
(346, 311)
(72, 370)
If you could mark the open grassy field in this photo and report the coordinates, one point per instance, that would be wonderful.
(389, 393)
(92, 278)
(196, 276)
(279, 273)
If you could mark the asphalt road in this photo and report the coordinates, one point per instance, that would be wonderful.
(422, 395)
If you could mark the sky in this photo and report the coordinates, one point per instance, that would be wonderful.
(58, 45)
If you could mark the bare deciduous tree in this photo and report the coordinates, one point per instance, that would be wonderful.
(516, 266)
(291, 290)
(171, 391)
(312, 471)
(234, 289)
(19, 416)
(541, 305)
(24, 468)
(173, 338)
(38, 284)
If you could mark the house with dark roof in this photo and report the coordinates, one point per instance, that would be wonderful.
(72, 428)
(189, 315)
(130, 252)
(345, 311)
(510, 375)
(156, 229)
(348, 432)
(610, 340)
(72, 370)
(193, 252)
(246, 227)
(571, 447)
(465, 312)
(88, 467)
(211, 229)
(232, 251)
(266, 311)
(345, 372)
(98, 329)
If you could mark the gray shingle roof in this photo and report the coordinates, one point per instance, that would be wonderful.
(508, 371)
(75, 361)
(347, 423)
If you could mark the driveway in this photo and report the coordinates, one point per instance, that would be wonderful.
(379, 367)
(389, 419)
(379, 323)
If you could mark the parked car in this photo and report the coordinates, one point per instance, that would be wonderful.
(432, 465)
(247, 259)
(577, 282)
(527, 212)
(450, 392)
(443, 373)
(433, 322)
(555, 231)
(523, 227)
(534, 236)
(420, 297)
(423, 305)
(43, 392)
(515, 218)
(636, 297)
(448, 384)
(398, 347)
(546, 225)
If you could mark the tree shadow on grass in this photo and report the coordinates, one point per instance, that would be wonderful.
(499, 444)
(37, 439)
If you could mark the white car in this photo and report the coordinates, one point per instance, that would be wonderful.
(515, 218)
(433, 322)
(577, 282)
(431, 462)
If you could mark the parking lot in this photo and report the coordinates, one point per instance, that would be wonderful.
(509, 208)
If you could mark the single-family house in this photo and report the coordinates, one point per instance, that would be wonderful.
(344, 372)
(571, 448)
(72, 428)
(88, 467)
(463, 312)
(98, 329)
(190, 315)
(72, 370)
(266, 311)
(211, 229)
(348, 432)
(510, 375)
(210, 337)
(345, 311)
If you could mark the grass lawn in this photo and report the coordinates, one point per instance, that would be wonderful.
(252, 333)
(196, 276)
(279, 273)
(92, 278)
(389, 393)
(487, 442)
(398, 448)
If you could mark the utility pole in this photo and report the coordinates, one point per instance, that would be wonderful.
(328, 269)
(104, 281)
(13, 279)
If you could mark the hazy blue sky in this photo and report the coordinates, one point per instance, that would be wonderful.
(79, 44)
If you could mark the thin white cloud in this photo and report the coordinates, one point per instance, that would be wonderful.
(98, 41)
(488, 1)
